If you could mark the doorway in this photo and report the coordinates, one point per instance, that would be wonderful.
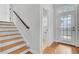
(66, 23)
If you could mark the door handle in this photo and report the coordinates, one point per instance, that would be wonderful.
(73, 29)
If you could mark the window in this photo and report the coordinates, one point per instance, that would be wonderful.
(66, 21)
(66, 27)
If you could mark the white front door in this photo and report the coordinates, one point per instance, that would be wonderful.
(66, 24)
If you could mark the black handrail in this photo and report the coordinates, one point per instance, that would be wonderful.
(21, 20)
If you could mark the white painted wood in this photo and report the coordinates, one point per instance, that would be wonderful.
(30, 14)
(11, 42)
(9, 37)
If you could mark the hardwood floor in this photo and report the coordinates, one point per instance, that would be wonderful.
(60, 48)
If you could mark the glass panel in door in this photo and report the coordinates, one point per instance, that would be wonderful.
(66, 24)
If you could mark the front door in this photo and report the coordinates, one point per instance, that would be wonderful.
(66, 24)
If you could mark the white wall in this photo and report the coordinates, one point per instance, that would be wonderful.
(77, 27)
(30, 14)
(4, 12)
(52, 24)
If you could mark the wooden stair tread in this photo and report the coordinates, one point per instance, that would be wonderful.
(3, 35)
(8, 30)
(19, 50)
(1, 29)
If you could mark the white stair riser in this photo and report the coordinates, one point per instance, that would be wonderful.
(9, 37)
(8, 29)
(9, 32)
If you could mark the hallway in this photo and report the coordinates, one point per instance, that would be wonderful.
(38, 28)
(60, 28)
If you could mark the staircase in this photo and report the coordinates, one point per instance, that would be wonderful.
(11, 42)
